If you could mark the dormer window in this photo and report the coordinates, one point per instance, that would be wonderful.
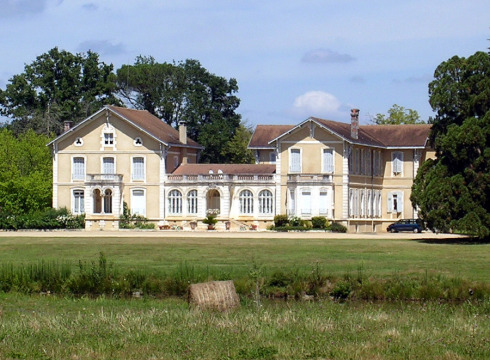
(108, 139)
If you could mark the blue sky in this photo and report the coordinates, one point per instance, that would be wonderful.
(292, 59)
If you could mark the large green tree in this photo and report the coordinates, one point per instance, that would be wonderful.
(56, 87)
(452, 191)
(236, 150)
(398, 115)
(185, 91)
(25, 172)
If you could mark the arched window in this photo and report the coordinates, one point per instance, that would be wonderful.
(266, 205)
(97, 201)
(192, 202)
(246, 202)
(175, 202)
(108, 201)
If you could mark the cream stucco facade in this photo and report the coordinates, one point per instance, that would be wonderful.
(315, 168)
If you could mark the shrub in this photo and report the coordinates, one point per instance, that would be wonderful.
(280, 220)
(341, 291)
(338, 228)
(319, 222)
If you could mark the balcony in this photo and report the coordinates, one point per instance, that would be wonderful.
(221, 178)
(104, 179)
(313, 179)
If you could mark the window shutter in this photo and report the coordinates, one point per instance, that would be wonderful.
(108, 166)
(328, 160)
(138, 168)
(390, 203)
(295, 160)
(400, 201)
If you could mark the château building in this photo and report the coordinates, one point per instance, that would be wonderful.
(357, 175)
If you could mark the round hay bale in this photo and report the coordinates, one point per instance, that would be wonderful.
(214, 295)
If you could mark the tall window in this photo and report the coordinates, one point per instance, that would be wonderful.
(192, 202)
(266, 205)
(295, 160)
(368, 162)
(292, 202)
(306, 202)
(175, 202)
(246, 202)
(327, 161)
(108, 166)
(78, 168)
(138, 168)
(138, 202)
(272, 157)
(97, 201)
(108, 201)
(363, 162)
(358, 162)
(324, 202)
(395, 202)
(397, 162)
(78, 202)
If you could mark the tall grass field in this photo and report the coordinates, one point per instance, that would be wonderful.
(74, 298)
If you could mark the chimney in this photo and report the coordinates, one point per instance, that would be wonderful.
(67, 125)
(354, 123)
(183, 140)
(182, 132)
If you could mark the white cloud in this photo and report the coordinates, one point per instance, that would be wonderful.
(318, 103)
(326, 56)
(102, 47)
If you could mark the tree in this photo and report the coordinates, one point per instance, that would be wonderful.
(56, 87)
(235, 150)
(452, 190)
(25, 172)
(185, 91)
(398, 115)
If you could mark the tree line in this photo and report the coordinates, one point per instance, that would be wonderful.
(60, 86)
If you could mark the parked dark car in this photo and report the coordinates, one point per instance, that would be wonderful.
(405, 225)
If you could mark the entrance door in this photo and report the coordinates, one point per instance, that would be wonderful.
(213, 201)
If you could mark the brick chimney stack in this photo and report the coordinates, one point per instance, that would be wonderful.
(183, 140)
(67, 125)
(182, 132)
(354, 123)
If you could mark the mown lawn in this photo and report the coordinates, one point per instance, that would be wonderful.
(44, 327)
(56, 327)
(374, 257)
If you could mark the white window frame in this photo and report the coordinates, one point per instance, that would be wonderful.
(192, 201)
(79, 176)
(174, 202)
(397, 163)
(306, 205)
(395, 202)
(107, 201)
(140, 177)
(102, 168)
(328, 168)
(323, 203)
(77, 207)
(246, 199)
(133, 209)
(296, 150)
(266, 202)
